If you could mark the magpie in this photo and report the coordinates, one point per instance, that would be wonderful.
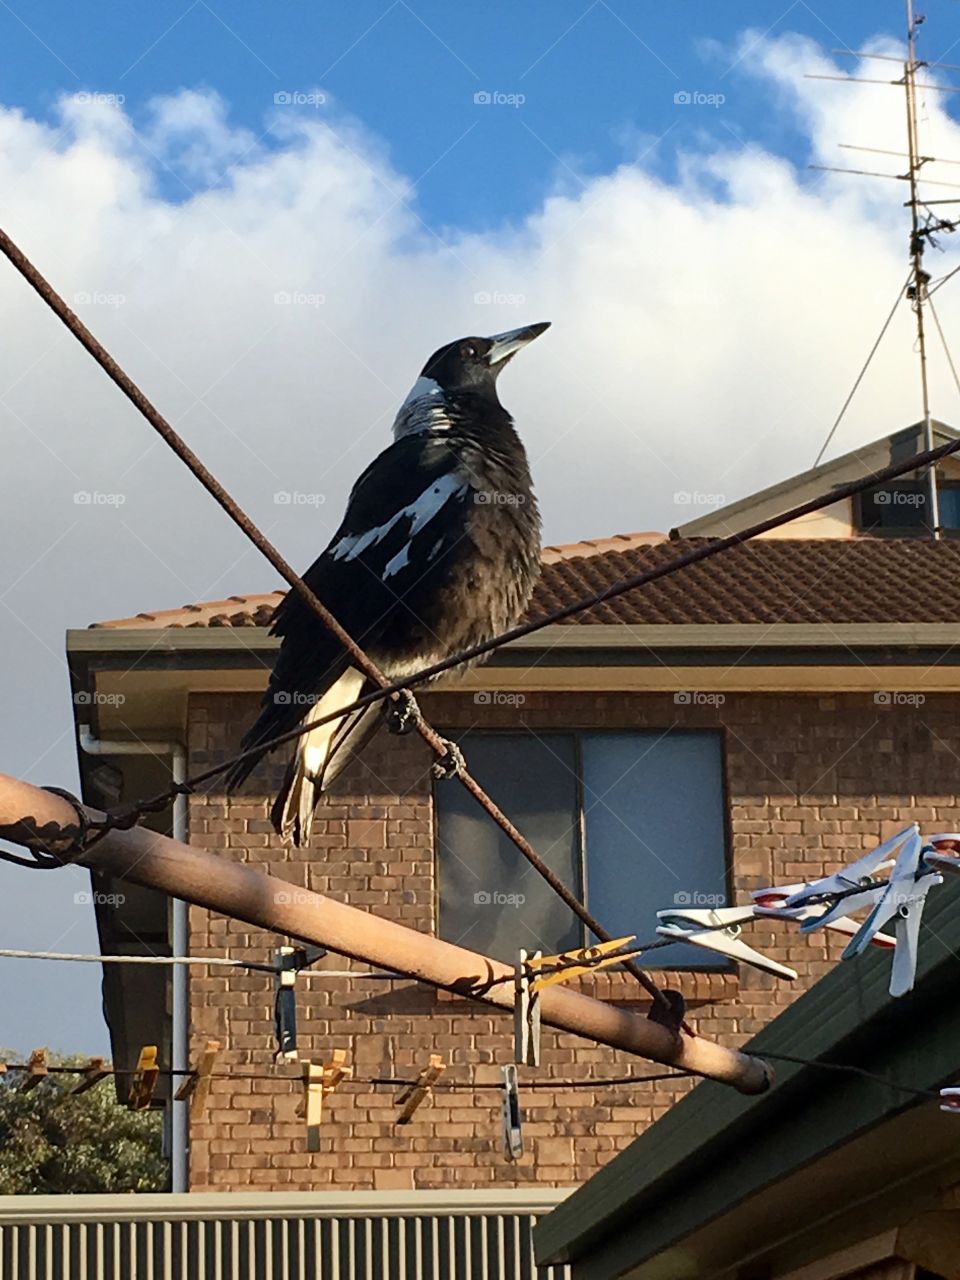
(439, 550)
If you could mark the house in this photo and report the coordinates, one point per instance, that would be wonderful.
(753, 717)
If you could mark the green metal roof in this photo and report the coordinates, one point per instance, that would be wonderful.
(723, 1180)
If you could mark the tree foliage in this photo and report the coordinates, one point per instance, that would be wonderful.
(54, 1143)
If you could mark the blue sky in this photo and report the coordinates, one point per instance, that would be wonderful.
(275, 273)
(597, 77)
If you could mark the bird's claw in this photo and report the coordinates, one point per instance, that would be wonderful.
(401, 713)
(450, 764)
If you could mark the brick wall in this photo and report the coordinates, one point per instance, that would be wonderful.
(810, 780)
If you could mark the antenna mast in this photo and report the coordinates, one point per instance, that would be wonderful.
(917, 290)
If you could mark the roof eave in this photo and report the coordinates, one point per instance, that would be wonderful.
(585, 636)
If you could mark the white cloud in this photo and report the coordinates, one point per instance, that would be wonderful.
(705, 334)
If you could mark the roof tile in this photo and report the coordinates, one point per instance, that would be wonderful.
(767, 580)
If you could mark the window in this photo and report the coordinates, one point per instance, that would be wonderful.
(948, 495)
(897, 509)
(633, 822)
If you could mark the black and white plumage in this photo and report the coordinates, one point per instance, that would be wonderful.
(439, 550)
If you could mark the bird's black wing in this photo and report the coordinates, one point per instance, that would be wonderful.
(383, 568)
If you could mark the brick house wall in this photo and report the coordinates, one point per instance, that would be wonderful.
(809, 781)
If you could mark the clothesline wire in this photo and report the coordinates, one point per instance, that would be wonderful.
(391, 1082)
(594, 1082)
(850, 1070)
(17, 953)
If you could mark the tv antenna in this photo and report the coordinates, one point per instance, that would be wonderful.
(925, 224)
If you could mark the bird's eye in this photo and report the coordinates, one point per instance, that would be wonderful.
(469, 351)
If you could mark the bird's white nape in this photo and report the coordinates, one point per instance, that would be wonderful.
(422, 387)
(423, 409)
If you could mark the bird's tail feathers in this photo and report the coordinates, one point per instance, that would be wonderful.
(292, 812)
(320, 757)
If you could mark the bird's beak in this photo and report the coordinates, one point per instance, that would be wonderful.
(505, 345)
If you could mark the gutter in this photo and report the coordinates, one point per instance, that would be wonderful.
(621, 635)
(180, 1009)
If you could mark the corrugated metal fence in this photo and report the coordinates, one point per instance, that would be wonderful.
(468, 1235)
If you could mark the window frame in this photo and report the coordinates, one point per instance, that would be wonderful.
(578, 731)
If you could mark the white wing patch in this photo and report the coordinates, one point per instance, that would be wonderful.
(430, 503)
(399, 561)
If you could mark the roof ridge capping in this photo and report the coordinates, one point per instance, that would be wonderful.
(600, 546)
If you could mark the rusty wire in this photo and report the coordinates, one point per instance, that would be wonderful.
(597, 1083)
(391, 1082)
(394, 689)
(360, 659)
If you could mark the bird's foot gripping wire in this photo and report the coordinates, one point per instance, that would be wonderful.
(401, 713)
(450, 764)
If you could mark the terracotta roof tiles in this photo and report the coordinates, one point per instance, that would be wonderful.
(765, 581)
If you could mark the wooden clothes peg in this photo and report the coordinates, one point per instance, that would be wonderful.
(36, 1070)
(196, 1087)
(145, 1079)
(91, 1074)
(318, 1081)
(411, 1096)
